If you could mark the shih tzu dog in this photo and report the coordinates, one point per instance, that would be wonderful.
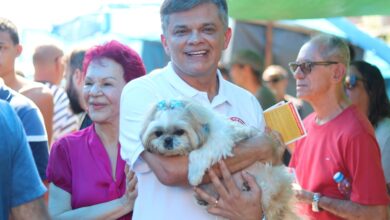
(183, 127)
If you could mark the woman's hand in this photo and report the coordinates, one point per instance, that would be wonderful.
(131, 192)
(233, 203)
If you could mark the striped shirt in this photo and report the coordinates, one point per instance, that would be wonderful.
(64, 121)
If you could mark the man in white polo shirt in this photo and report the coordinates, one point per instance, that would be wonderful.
(194, 34)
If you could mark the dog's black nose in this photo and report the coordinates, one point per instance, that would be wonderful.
(168, 143)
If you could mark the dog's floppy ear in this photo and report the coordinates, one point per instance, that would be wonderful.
(202, 118)
(150, 117)
(199, 112)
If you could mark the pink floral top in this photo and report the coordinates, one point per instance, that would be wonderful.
(79, 164)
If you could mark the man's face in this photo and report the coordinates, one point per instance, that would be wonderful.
(312, 85)
(194, 40)
(277, 83)
(8, 53)
(74, 90)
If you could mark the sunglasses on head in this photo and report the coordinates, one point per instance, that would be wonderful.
(275, 79)
(351, 81)
(306, 67)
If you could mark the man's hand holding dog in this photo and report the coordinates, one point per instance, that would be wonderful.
(233, 203)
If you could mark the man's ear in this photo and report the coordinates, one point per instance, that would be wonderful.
(59, 64)
(339, 72)
(165, 44)
(19, 50)
(228, 36)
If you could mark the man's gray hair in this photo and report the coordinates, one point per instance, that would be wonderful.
(173, 6)
(332, 48)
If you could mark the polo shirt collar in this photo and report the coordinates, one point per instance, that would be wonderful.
(189, 91)
(223, 92)
(178, 83)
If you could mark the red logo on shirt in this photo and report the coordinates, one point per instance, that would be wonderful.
(237, 119)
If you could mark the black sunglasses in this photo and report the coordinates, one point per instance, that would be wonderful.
(306, 67)
(351, 81)
(275, 79)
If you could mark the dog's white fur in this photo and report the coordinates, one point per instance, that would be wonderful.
(189, 128)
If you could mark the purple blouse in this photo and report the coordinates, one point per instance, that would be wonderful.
(79, 164)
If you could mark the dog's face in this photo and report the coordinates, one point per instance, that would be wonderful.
(174, 128)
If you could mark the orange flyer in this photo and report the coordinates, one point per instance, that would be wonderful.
(284, 118)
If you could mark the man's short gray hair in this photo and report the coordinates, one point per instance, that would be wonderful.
(173, 6)
(332, 48)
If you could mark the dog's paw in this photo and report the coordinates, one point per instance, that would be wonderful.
(195, 176)
(197, 167)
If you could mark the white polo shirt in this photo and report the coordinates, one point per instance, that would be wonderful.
(155, 200)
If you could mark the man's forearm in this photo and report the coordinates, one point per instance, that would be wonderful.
(174, 170)
(256, 149)
(350, 210)
(169, 170)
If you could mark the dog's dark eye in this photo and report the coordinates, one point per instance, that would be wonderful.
(158, 133)
(179, 132)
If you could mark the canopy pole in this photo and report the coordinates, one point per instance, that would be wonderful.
(268, 59)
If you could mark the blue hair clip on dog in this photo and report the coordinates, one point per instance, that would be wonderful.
(162, 105)
(176, 104)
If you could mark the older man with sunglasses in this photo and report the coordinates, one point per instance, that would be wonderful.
(339, 138)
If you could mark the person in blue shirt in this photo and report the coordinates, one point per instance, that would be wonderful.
(33, 125)
(21, 190)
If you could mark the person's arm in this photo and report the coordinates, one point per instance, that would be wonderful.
(43, 98)
(345, 208)
(174, 170)
(233, 203)
(34, 127)
(34, 210)
(60, 204)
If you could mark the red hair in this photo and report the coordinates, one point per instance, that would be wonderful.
(130, 61)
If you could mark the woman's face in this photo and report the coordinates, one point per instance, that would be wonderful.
(102, 90)
(356, 91)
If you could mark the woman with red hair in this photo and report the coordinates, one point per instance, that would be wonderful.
(86, 173)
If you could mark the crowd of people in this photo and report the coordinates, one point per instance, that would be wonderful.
(76, 152)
